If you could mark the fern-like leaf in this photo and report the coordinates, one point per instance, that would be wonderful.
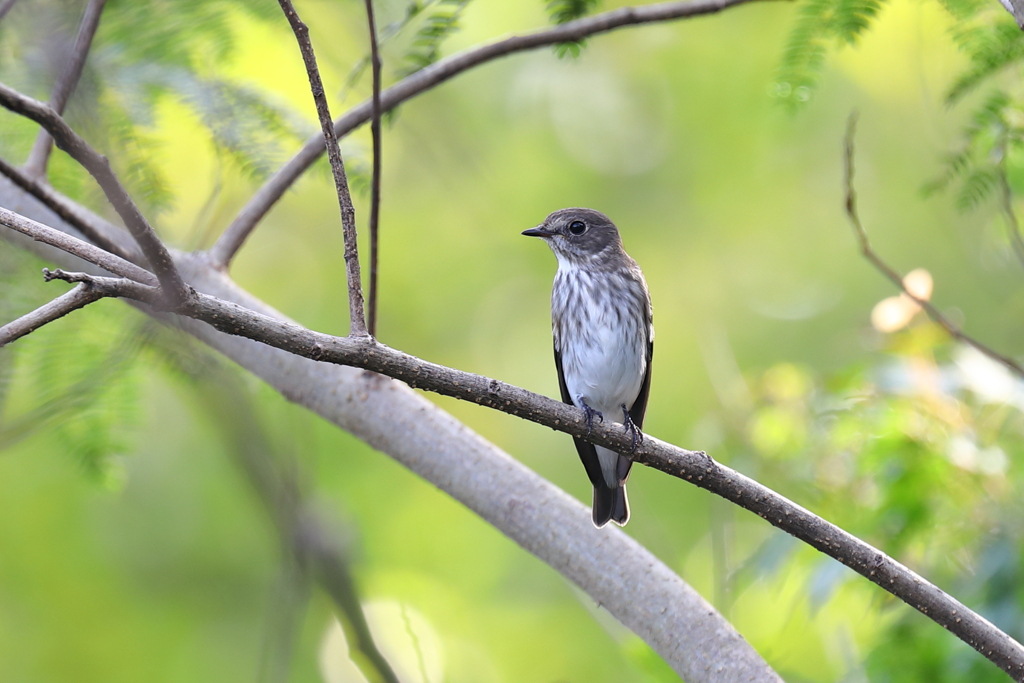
(820, 24)
(991, 49)
(436, 27)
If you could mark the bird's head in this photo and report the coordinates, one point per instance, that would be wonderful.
(578, 236)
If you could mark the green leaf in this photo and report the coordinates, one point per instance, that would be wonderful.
(820, 24)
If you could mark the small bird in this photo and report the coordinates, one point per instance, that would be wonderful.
(604, 340)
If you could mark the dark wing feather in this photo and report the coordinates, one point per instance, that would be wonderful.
(586, 450)
(640, 404)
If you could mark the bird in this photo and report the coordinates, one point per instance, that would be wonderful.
(601, 321)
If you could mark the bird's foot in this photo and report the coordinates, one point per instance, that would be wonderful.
(630, 428)
(589, 413)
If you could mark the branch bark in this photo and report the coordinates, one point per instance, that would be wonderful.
(615, 571)
(66, 83)
(76, 247)
(869, 253)
(5, 7)
(357, 321)
(99, 167)
(82, 295)
(236, 233)
(71, 213)
(375, 183)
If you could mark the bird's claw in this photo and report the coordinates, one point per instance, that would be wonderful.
(630, 427)
(589, 414)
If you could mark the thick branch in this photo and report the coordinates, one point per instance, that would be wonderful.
(693, 466)
(156, 253)
(5, 7)
(357, 322)
(79, 297)
(884, 268)
(235, 235)
(66, 83)
(375, 183)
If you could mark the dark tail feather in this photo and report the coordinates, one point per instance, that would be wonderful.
(610, 506)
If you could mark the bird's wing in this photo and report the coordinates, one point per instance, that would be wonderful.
(640, 404)
(587, 452)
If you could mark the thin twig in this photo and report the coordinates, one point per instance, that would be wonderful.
(1006, 195)
(5, 7)
(66, 210)
(66, 83)
(693, 466)
(82, 295)
(175, 289)
(357, 321)
(884, 268)
(375, 185)
(72, 245)
(260, 203)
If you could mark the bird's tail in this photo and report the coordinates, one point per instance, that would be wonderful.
(610, 505)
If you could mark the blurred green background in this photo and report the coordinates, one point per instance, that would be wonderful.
(132, 546)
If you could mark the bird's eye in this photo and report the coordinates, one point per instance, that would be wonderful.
(577, 227)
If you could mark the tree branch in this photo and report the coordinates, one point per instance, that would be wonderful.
(156, 253)
(72, 245)
(5, 7)
(357, 321)
(693, 466)
(375, 65)
(35, 167)
(235, 235)
(79, 297)
(884, 268)
(67, 210)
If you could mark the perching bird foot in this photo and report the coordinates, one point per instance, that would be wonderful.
(630, 428)
(589, 413)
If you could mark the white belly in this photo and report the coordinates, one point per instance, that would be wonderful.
(605, 369)
(604, 356)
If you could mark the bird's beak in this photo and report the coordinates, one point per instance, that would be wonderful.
(539, 231)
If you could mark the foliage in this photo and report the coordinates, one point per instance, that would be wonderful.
(919, 440)
(434, 28)
(819, 24)
(143, 56)
(563, 11)
(84, 383)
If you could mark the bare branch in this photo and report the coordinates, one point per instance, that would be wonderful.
(80, 296)
(156, 253)
(66, 83)
(693, 466)
(375, 187)
(235, 235)
(5, 7)
(357, 321)
(72, 245)
(67, 210)
(884, 268)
